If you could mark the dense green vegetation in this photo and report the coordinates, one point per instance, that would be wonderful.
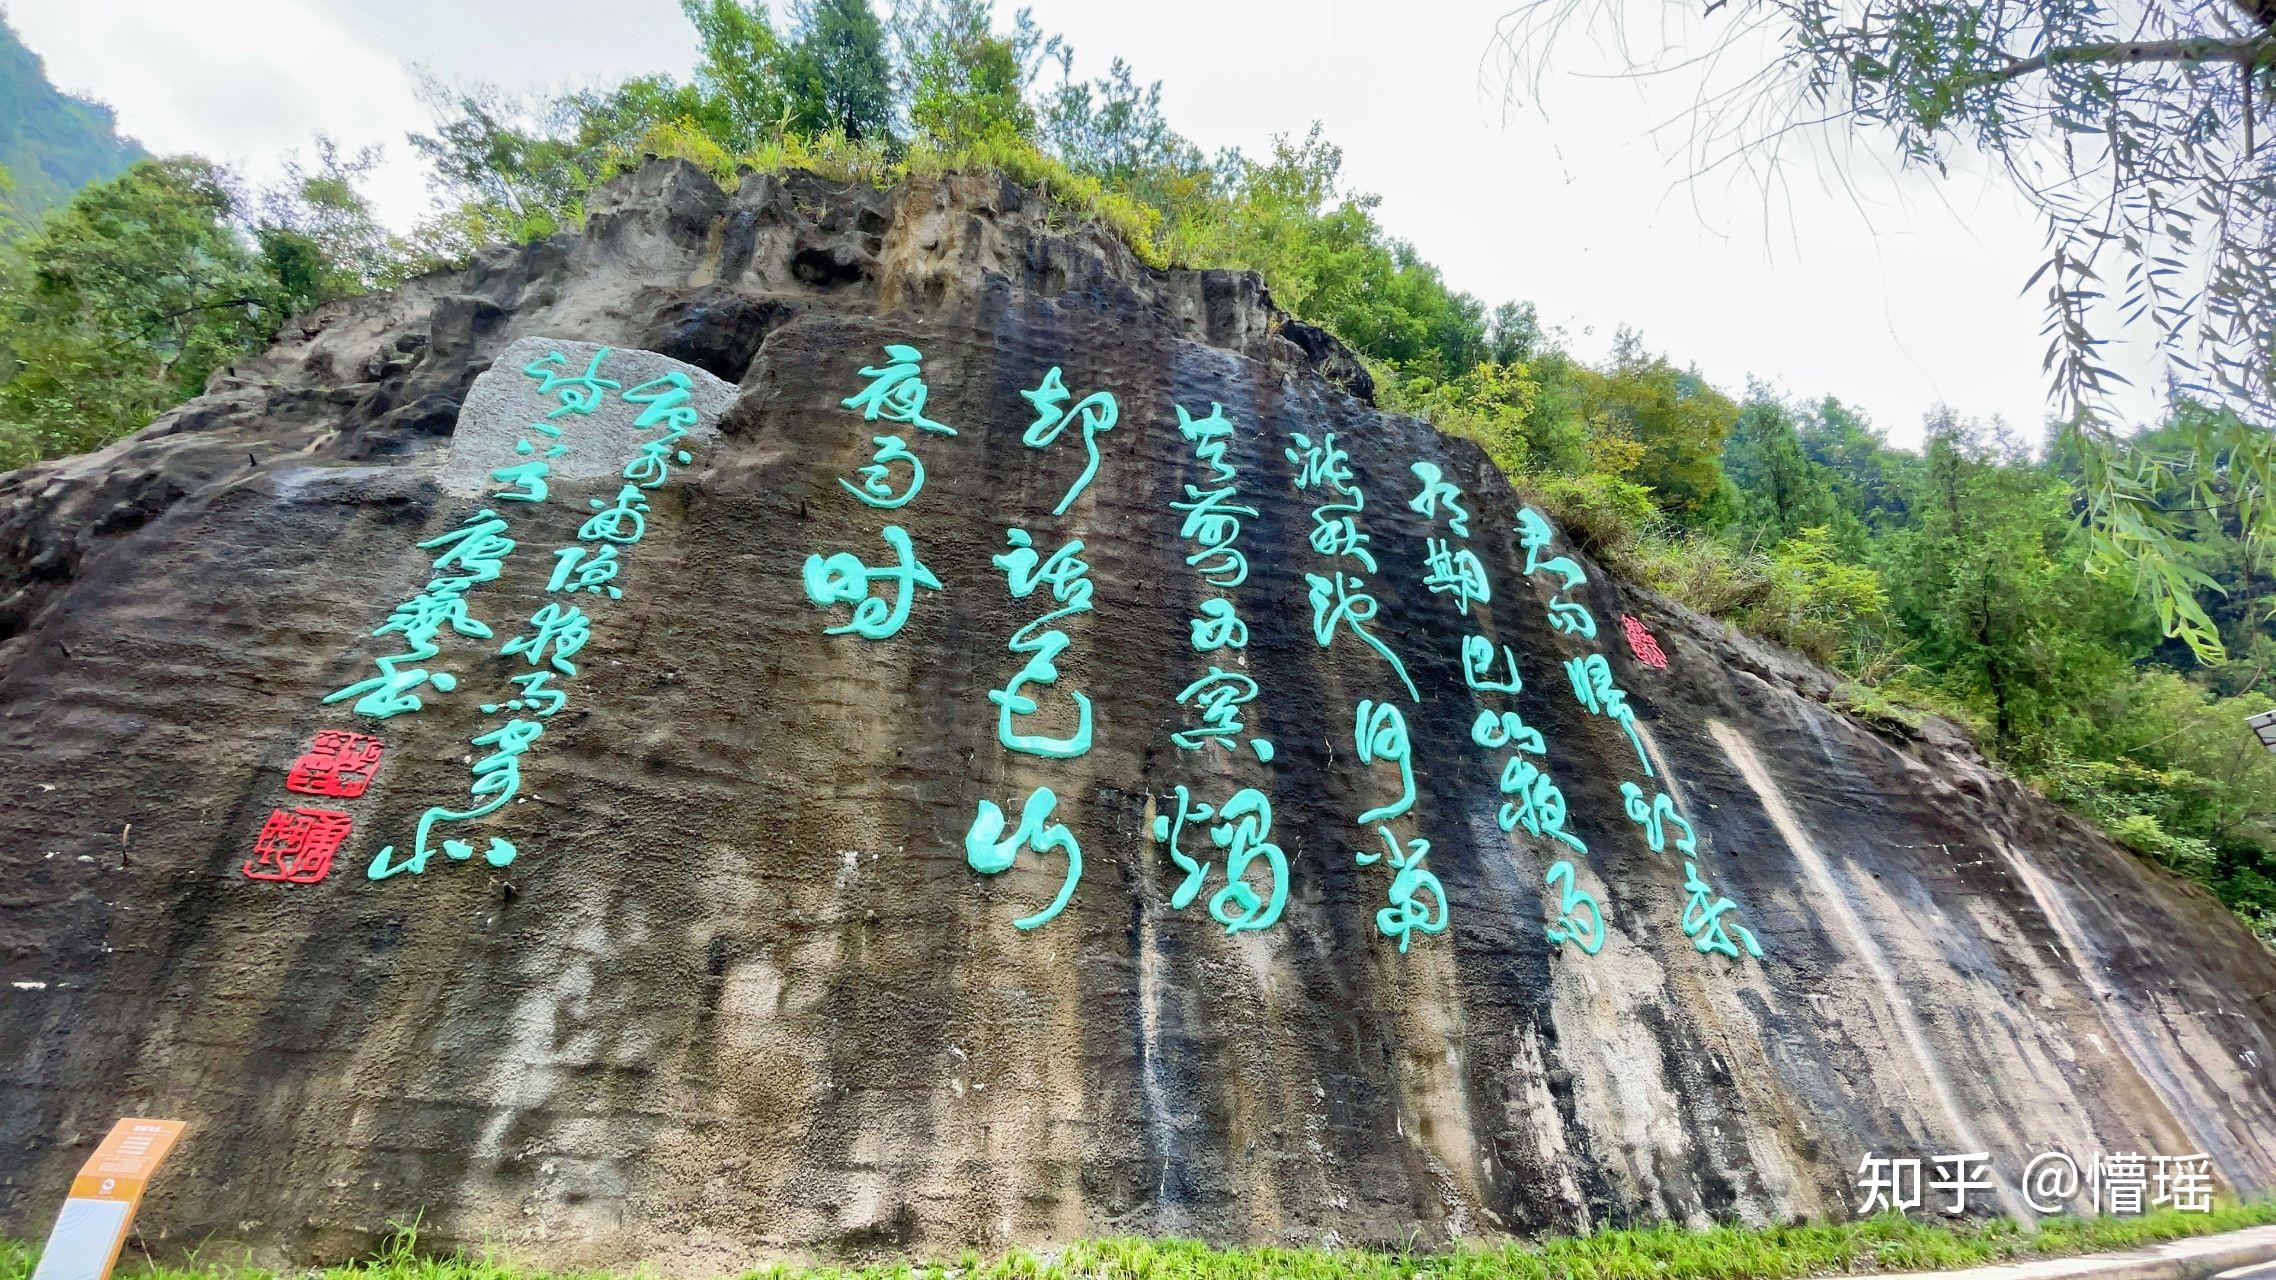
(122, 302)
(1953, 578)
(1886, 1243)
(2131, 130)
(51, 144)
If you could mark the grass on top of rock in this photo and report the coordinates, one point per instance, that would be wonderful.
(1887, 1243)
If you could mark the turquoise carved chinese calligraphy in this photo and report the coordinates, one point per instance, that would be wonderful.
(890, 480)
(1041, 641)
(1219, 697)
(665, 402)
(1211, 515)
(1379, 731)
(477, 552)
(1655, 814)
(842, 578)
(497, 779)
(1042, 644)
(1534, 801)
(1594, 688)
(990, 852)
(478, 547)
(580, 393)
(1095, 415)
(1212, 523)
(657, 414)
(1437, 495)
(1218, 626)
(1244, 832)
(1568, 616)
(877, 485)
(1703, 919)
(1339, 600)
(622, 522)
(1210, 437)
(1456, 572)
(1341, 604)
(1579, 920)
(586, 569)
(1418, 902)
(528, 476)
(896, 391)
(1478, 669)
(555, 635)
(536, 697)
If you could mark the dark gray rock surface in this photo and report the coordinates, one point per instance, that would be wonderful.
(741, 993)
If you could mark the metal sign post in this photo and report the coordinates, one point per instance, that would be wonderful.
(92, 1227)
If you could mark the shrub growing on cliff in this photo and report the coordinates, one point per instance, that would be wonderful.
(964, 93)
(1820, 604)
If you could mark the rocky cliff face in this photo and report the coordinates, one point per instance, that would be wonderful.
(764, 932)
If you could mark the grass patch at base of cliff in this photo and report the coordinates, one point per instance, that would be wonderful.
(1882, 1244)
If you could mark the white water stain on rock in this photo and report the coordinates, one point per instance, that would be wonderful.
(1834, 896)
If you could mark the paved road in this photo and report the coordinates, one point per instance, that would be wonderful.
(2235, 1255)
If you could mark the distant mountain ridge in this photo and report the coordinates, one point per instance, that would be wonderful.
(51, 142)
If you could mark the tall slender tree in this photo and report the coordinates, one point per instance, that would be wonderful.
(837, 72)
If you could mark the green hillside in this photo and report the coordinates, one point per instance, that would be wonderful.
(51, 143)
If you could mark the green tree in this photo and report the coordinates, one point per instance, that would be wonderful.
(2210, 539)
(1822, 602)
(122, 304)
(520, 167)
(1514, 334)
(515, 176)
(1990, 585)
(837, 74)
(1494, 405)
(1867, 475)
(1330, 262)
(1113, 128)
(1676, 422)
(965, 85)
(741, 71)
(1781, 491)
(319, 237)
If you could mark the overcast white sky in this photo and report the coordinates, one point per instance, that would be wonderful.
(1893, 292)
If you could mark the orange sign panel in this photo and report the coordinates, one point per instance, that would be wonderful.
(92, 1227)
